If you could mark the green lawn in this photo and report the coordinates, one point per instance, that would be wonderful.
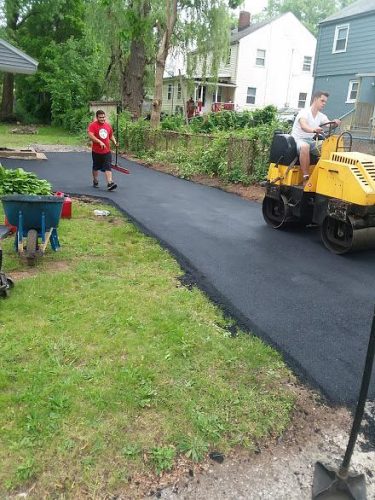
(45, 135)
(110, 368)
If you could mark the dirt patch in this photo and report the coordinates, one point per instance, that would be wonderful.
(28, 272)
(279, 468)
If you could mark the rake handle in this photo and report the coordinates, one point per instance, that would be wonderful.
(361, 401)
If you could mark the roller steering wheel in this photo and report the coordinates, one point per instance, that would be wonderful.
(332, 125)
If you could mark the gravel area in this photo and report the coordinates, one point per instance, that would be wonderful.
(57, 148)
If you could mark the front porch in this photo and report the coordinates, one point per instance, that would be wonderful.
(360, 121)
(213, 98)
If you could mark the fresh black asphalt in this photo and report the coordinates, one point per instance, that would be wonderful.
(314, 307)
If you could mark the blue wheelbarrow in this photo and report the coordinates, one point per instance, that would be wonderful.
(36, 219)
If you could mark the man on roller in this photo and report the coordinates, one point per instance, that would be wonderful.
(308, 123)
(100, 132)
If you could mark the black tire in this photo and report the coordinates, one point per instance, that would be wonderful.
(31, 246)
(337, 235)
(275, 211)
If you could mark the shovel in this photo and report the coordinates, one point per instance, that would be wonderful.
(330, 483)
(115, 165)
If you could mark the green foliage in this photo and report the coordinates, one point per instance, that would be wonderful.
(236, 151)
(124, 119)
(53, 32)
(135, 136)
(173, 122)
(19, 181)
(162, 458)
(70, 78)
(309, 13)
(232, 120)
(194, 448)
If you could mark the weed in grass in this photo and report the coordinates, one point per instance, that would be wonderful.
(26, 470)
(194, 448)
(162, 458)
(146, 394)
(131, 450)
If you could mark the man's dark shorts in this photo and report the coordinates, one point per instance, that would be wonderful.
(101, 162)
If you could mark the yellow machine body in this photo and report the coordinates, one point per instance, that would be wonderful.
(339, 195)
(348, 176)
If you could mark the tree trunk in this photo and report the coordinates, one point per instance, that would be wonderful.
(161, 57)
(133, 79)
(6, 111)
(133, 74)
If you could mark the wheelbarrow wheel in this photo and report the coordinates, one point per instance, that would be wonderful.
(31, 246)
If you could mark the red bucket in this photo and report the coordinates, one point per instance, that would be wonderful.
(11, 228)
(66, 212)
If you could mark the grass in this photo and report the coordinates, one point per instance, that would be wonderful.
(45, 135)
(111, 369)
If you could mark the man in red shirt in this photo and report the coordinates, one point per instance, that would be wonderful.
(100, 133)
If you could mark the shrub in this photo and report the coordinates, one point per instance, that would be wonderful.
(174, 122)
(136, 136)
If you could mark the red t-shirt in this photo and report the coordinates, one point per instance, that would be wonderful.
(102, 131)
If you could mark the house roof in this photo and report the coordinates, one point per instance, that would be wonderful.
(13, 60)
(238, 34)
(355, 9)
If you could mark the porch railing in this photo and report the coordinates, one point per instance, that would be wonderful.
(220, 106)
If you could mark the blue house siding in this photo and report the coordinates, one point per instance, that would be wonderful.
(360, 53)
(337, 86)
(367, 89)
(333, 71)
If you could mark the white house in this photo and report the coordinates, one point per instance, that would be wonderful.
(270, 63)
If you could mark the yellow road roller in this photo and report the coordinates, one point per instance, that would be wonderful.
(339, 196)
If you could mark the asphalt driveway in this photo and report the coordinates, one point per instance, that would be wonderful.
(313, 306)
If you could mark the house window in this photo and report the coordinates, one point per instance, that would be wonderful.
(261, 56)
(341, 38)
(352, 91)
(169, 91)
(179, 91)
(229, 56)
(217, 98)
(302, 96)
(251, 93)
(307, 63)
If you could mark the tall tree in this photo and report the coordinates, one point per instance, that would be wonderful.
(203, 25)
(126, 37)
(133, 72)
(165, 32)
